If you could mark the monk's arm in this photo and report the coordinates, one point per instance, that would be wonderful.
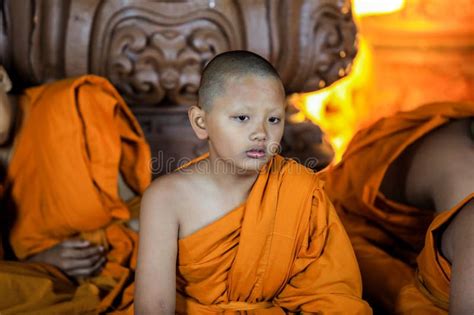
(442, 166)
(457, 245)
(155, 291)
(326, 275)
(75, 257)
(457, 240)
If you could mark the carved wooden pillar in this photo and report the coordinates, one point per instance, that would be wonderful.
(154, 51)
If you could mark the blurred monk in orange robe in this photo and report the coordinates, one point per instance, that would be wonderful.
(405, 193)
(76, 253)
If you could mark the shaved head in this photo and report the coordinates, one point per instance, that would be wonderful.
(227, 65)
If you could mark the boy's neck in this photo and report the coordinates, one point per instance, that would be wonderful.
(225, 175)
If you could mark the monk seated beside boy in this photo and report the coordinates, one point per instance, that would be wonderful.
(76, 255)
(405, 192)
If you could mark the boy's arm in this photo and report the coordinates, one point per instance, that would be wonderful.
(326, 277)
(155, 291)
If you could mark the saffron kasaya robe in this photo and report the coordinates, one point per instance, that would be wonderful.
(283, 250)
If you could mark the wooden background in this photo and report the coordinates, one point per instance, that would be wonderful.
(154, 52)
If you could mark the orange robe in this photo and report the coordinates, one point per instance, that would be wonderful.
(283, 250)
(77, 135)
(387, 236)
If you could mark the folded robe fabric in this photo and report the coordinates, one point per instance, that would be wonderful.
(77, 135)
(387, 236)
(284, 250)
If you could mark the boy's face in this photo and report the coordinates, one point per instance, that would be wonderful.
(245, 123)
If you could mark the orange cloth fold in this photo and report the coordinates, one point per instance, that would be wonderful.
(33, 288)
(387, 236)
(283, 250)
(77, 135)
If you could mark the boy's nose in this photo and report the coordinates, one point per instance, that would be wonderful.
(259, 134)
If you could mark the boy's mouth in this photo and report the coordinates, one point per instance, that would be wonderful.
(256, 153)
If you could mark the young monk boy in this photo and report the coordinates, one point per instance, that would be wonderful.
(242, 228)
(405, 191)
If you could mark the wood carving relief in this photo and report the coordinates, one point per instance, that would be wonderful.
(333, 45)
(154, 51)
(319, 39)
(153, 57)
(168, 66)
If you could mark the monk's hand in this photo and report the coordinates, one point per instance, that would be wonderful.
(75, 257)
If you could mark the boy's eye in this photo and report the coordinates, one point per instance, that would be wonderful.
(274, 120)
(241, 117)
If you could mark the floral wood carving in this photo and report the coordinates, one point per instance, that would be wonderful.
(151, 58)
(322, 35)
(334, 45)
(154, 51)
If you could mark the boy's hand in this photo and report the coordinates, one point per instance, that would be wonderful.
(76, 258)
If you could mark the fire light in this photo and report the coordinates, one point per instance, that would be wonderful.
(340, 109)
(376, 7)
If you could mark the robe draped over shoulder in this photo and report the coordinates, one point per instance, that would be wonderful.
(283, 250)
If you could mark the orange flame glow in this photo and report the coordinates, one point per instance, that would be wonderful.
(340, 110)
(333, 108)
(376, 7)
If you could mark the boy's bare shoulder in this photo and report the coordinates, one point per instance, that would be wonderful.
(166, 188)
(170, 192)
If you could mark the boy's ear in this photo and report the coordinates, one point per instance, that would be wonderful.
(198, 122)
